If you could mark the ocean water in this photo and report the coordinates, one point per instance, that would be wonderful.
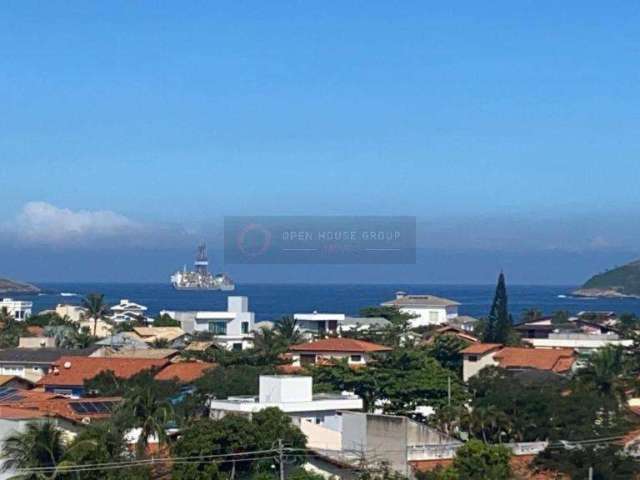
(272, 301)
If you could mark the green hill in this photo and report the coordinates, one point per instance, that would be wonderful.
(621, 281)
(11, 286)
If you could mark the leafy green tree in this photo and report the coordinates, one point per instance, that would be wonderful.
(498, 324)
(531, 315)
(403, 380)
(478, 461)
(40, 445)
(96, 308)
(165, 320)
(560, 318)
(47, 319)
(446, 350)
(222, 382)
(233, 434)
(10, 331)
(609, 462)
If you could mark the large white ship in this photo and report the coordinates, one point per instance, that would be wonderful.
(200, 278)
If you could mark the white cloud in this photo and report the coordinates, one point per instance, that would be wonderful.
(43, 223)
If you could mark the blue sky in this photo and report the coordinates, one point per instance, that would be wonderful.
(502, 125)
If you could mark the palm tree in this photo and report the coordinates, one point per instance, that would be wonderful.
(267, 344)
(145, 410)
(607, 373)
(531, 315)
(40, 445)
(96, 308)
(288, 330)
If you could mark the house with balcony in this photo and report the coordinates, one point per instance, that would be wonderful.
(232, 329)
(313, 324)
(425, 309)
(128, 311)
(20, 310)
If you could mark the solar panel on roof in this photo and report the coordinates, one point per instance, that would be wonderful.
(8, 394)
(89, 407)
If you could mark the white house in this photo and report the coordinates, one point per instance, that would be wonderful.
(232, 328)
(127, 311)
(294, 396)
(18, 309)
(427, 309)
(316, 323)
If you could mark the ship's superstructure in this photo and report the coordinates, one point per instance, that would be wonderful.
(200, 278)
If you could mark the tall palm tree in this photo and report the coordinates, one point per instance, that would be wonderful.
(39, 445)
(607, 373)
(267, 344)
(96, 308)
(288, 330)
(144, 409)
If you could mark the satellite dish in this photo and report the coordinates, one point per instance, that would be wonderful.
(67, 364)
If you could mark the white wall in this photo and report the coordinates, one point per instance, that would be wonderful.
(469, 368)
(430, 315)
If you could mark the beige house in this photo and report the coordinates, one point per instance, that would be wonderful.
(480, 355)
(357, 352)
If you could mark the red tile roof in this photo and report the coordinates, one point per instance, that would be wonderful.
(72, 371)
(184, 372)
(35, 404)
(16, 413)
(553, 359)
(339, 345)
(481, 348)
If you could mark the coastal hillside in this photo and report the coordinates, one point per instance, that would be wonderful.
(622, 281)
(11, 286)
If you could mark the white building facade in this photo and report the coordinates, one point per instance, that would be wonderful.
(426, 309)
(294, 396)
(232, 328)
(18, 309)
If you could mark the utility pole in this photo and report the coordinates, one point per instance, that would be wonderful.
(590, 473)
(449, 390)
(281, 457)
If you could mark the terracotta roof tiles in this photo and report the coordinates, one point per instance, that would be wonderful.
(339, 345)
(71, 371)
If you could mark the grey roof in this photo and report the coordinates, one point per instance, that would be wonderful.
(41, 355)
(420, 301)
(372, 321)
(122, 339)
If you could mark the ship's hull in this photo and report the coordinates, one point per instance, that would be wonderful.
(223, 288)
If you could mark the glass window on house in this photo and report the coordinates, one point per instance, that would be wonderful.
(245, 327)
(218, 328)
(356, 358)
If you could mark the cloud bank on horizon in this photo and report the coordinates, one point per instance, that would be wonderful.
(42, 224)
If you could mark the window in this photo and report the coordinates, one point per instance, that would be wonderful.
(236, 347)
(472, 358)
(307, 359)
(433, 317)
(356, 358)
(245, 327)
(218, 328)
